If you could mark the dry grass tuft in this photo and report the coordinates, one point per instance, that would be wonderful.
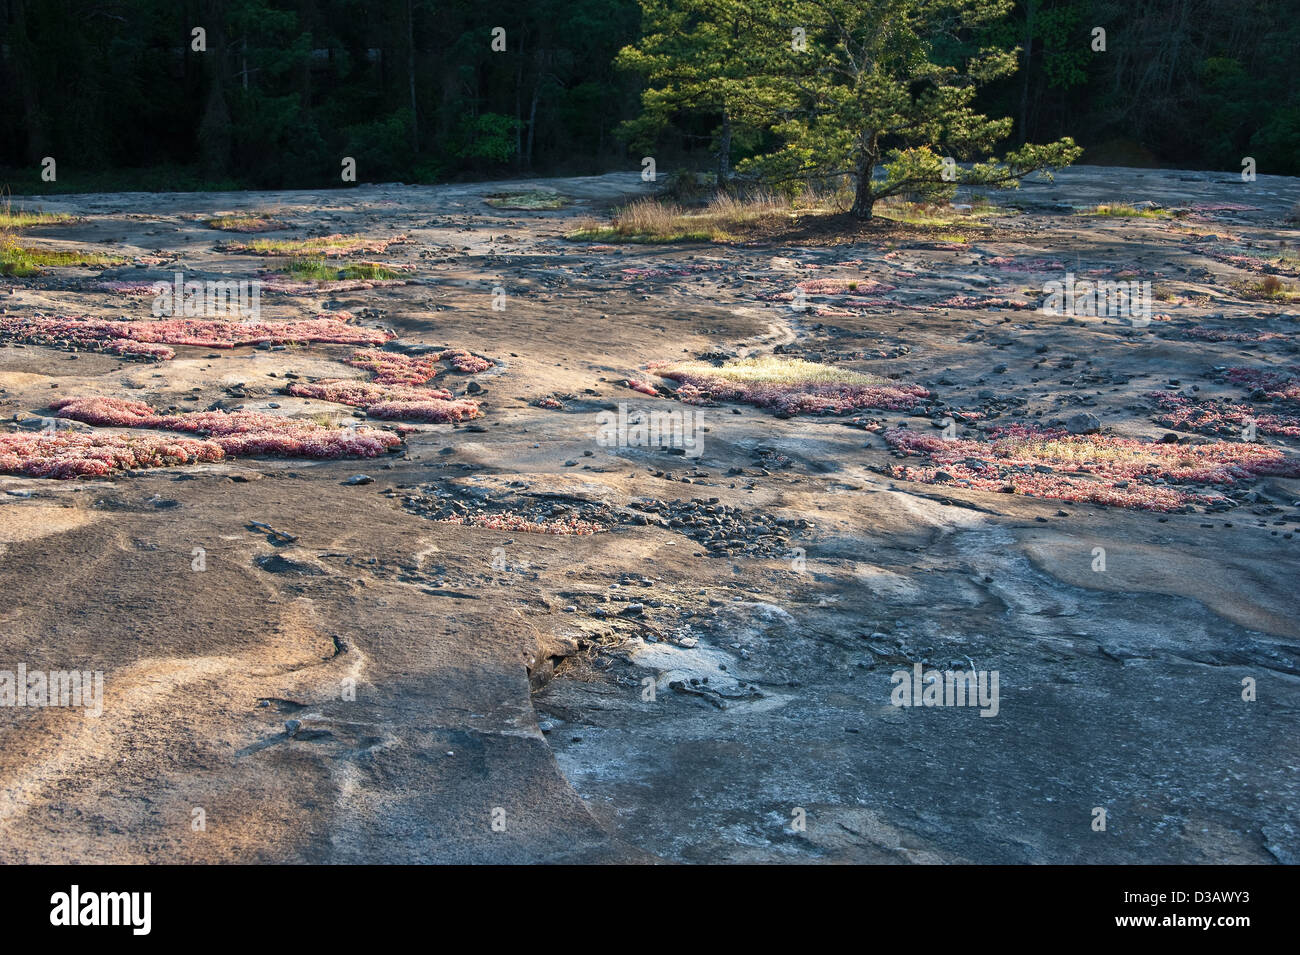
(789, 386)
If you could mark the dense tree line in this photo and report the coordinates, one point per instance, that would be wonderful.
(278, 91)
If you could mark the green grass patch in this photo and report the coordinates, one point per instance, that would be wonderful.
(722, 220)
(11, 218)
(20, 261)
(337, 245)
(244, 222)
(318, 270)
(1119, 210)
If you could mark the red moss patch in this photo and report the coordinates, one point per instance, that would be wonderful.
(1220, 418)
(1277, 386)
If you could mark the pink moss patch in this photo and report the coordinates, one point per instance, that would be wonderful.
(435, 405)
(515, 522)
(398, 369)
(147, 339)
(636, 384)
(68, 454)
(1095, 468)
(392, 368)
(465, 362)
(968, 301)
(1209, 334)
(393, 393)
(133, 289)
(840, 297)
(1009, 264)
(237, 433)
(276, 282)
(666, 271)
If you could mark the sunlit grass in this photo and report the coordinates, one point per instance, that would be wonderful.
(244, 222)
(318, 270)
(327, 246)
(1120, 210)
(19, 261)
(650, 220)
(788, 386)
(11, 218)
(770, 370)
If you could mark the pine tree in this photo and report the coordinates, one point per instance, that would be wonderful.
(843, 86)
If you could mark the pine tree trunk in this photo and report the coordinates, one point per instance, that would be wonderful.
(724, 154)
(33, 116)
(410, 71)
(532, 126)
(1029, 55)
(215, 133)
(863, 198)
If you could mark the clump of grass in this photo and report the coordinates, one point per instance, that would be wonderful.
(653, 221)
(1269, 288)
(528, 200)
(318, 270)
(1124, 211)
(11, 218)
(21, 261)
(245, 222)
(328, 246)
(789, 386)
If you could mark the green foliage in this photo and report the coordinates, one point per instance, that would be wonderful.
(918, 165)
(489, 136)
(382, 147)
(412, 90)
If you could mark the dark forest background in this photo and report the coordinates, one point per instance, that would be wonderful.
(413, 90)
